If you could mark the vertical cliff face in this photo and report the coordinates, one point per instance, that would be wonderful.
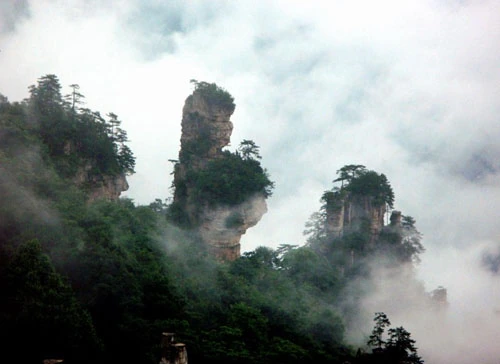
(206, 129)
(222, 227)
(107, 187)
(364, 209)
(335, 214)
(351, 213)
(359, 205)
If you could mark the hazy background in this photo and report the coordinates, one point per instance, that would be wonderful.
(407, 88)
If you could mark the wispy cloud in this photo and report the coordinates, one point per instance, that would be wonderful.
(409, 89)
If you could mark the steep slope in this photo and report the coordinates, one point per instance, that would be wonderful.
(350, 212)
(351, 221)
(100, 186)
(217, 193)
(84, 147)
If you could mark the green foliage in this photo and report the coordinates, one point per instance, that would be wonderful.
(376, 338)
(122, 279)
(332, 200)
(349, 172)
(355, 243)
(401, 346)
(214, 95)
(315, 228)
(99, 282)
(370, 183)
(403, 243)
(360, 181)
(230, 180)
(307, 267)
(37, 303)
(74, 136)
(398, 348)
(74, 99)
(249, 150)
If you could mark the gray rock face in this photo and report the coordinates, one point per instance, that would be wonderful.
(351, 212)
(222, 227)
(100, 186)
(206, 129)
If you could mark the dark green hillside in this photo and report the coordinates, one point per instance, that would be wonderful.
(99, 280)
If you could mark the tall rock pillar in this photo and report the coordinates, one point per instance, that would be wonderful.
(206, 129)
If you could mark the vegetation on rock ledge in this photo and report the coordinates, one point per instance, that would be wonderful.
(75, 136)
(214, 95)
(230, 180)
(99, 282)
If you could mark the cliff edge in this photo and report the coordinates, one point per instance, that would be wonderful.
(217, 193)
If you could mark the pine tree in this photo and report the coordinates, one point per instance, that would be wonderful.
(376, 338)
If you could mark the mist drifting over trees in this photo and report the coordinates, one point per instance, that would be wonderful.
(98, 278)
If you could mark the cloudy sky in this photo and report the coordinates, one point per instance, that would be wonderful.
(407, 88)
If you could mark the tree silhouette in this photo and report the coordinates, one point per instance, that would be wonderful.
(376, 338)
(401, 346)
(249, 150)
(348, 172)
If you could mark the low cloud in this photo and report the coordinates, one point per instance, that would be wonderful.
(407, 89)
(464, 331)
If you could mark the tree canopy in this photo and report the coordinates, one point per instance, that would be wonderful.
(358, 180)
(214, 94)
(99, 281)
(232, 178)
(75, 136)
(397, 347)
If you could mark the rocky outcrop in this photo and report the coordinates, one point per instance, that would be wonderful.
(107, 187)
(172, 352)
(222, 227)
(350, 213)
(97, 186)
(395, 219)
(206, 130)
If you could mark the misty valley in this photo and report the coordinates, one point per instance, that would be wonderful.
(88, 276)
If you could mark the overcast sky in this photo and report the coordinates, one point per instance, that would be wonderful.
(407, 88)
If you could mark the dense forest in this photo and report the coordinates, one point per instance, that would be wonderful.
(99, 280)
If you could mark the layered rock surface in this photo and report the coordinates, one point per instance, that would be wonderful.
(107, 187)
(351, 211)
(206, 129)
(223, 236)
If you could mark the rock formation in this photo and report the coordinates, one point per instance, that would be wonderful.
(97, 185)
(172, 352)
(206, 129)
(349, 212)
(107, 187)
(223, 237)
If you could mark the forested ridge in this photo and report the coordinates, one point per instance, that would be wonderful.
(98, 281)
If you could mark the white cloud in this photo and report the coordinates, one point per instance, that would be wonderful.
(409, 89)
